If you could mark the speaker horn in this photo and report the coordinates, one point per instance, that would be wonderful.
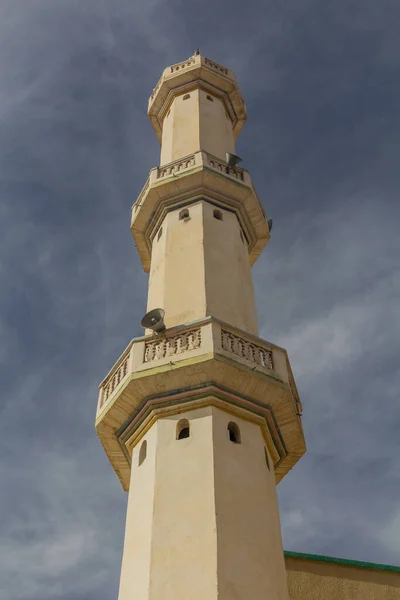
(154, 320)
(270, 223)
(232, 159)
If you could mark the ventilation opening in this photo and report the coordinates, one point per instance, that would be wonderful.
(184, 214)
(186, 96)
(210, 98)
(159, 233)
(142, 452)
(234, 433)
(218, 215)
(182, 429)
(266, 458)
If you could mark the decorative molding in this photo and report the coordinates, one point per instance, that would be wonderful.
(295, 395)
(155, 90)
(142, 194)
(198, 396)
(170, 346)
(220, 165)
(215, 66)
(176, 166)
(245, 349)
(115, 378)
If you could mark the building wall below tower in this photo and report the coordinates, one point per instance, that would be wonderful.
(325, 578)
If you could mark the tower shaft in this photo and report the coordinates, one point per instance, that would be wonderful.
(202, 419)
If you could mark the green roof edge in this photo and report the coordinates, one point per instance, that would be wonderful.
(341, 561)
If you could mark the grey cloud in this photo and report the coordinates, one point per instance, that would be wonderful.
(321, 144)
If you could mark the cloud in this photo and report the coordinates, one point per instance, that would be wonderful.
(321, 144)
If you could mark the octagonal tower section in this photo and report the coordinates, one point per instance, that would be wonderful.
(201, 420)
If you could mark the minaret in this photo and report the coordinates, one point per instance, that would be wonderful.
(201, 418)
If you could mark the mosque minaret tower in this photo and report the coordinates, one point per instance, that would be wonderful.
(200, 417)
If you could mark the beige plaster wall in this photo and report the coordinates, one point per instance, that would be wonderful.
(135, 570)
(216, 133)
(210, 528)
(184, 560)
(228, 279)
(250, 553)
(198, 122)
(176, 279)
(312, 580)
(200, 267)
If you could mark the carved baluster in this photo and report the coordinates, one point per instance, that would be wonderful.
(237, 346)
(160, 350)
(197, 339)
(249, 351)
(170, 347)
(182, 343)
(149, 352)
(257, 355)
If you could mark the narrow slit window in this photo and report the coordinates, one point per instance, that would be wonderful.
(159, 233)
(186, 96)
(184, 214)
(218, 215)
(182, 429)
(210, 98)
(234, 433)
(142, 452)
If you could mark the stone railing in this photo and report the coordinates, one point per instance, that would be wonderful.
(170, 346)
(117, 375)
(141, 195)
(155, 89)
(216, 66)
(176, 166)
(222, 166)
(245, 349)
(295, 395)
(183, 65)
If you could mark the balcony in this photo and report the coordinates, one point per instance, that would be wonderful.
(243, 373)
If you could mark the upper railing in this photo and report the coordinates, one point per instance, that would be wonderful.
(204, 337)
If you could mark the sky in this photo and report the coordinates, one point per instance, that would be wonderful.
(322, 144)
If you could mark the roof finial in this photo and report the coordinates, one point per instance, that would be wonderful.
(197, 52)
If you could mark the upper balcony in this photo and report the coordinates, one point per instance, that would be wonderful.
(199, 175)
(197, 71)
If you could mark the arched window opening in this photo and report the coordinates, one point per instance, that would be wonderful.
(184, 214)
(159, 233)
(210, 98)
(182, 429)
(218, 215)
(234, 433)
(142, 452)
(186, 96)
(266, 458)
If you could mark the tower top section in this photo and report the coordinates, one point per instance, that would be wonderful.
(197, 72)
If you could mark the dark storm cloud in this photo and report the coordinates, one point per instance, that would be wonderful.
(322, 145)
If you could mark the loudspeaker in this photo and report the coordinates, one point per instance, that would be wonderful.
(270, 223)
(154, 320)
(232, 159)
